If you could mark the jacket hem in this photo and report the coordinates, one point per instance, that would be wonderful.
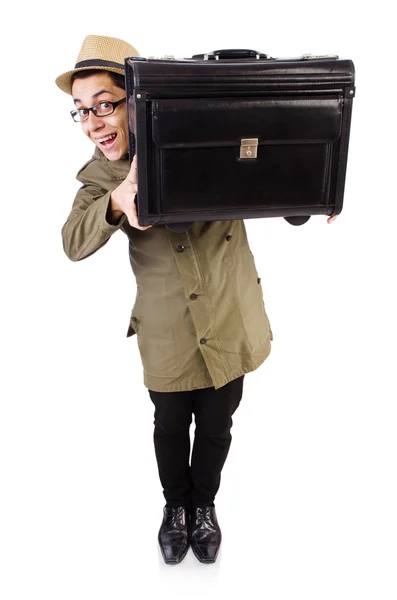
(249, 368)
(190, 385)
(183, 387)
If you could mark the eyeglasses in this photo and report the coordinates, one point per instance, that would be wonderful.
(102, 109)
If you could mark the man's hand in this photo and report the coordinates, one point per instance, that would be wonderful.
(122, 198)
(331, 219)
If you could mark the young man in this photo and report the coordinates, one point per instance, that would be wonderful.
(199, 313)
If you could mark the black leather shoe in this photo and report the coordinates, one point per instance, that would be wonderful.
(204, 534)
(173, 535)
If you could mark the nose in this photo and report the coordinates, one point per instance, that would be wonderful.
(94, 122)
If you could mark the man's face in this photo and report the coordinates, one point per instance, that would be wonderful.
(100, 88)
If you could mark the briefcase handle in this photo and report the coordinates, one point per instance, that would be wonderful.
(234, 54)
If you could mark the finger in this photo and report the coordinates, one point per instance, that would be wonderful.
(133, 221)
(132, 217)
(132, 172)
(132, 190)
(331, 219)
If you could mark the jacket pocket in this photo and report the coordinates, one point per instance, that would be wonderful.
(150, 321)
(132, 326)
(249, 296)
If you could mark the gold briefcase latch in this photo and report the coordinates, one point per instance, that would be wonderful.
(249, 148)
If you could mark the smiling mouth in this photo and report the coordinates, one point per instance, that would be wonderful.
(107, 140)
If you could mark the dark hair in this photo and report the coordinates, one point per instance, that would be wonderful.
(117, 79)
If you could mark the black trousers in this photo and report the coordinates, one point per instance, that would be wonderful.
(195, 484)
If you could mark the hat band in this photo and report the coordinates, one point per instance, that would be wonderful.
(97, 62)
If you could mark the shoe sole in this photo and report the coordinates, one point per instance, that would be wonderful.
(205, 561)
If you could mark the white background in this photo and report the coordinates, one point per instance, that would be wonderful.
(308, 494)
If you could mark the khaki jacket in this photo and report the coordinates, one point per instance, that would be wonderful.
(199, 313)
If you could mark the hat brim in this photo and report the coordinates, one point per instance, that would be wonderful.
(64, 81)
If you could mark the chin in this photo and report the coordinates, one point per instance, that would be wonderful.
(113, 154)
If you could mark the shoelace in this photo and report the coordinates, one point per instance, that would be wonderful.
(203, 515)
(177, 517)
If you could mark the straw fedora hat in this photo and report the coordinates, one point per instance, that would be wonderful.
(98, 52)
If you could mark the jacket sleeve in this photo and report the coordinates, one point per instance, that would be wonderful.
(86, 229)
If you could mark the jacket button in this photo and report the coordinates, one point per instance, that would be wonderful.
(228, 237)
(180, 248)
(203, 341)
(259, 279)
(193, 296)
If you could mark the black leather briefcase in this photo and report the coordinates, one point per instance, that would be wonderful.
(235, 135)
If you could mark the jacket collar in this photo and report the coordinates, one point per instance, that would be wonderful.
(117, 169)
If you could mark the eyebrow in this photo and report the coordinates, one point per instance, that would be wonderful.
(95, 95)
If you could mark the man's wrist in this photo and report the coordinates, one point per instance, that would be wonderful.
(113, 205)
(113, 213)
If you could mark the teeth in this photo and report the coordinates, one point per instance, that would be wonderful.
(108, 137)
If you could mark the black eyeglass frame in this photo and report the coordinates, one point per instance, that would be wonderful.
(94, 108)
